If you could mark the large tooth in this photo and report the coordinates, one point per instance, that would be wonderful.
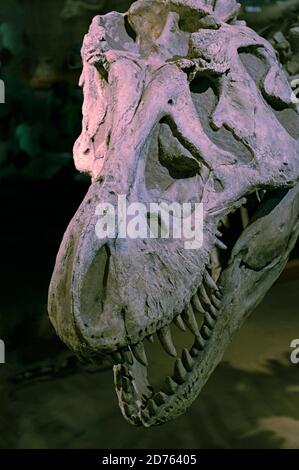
(127, 356)
(216, 302)
(180, 372)
(244, 217)
(190, 320)
(170, 386)
(203, 295)
(209, 321)
(196, 304)
(219, 234)
(206, 332)
(139, 353)
(210, 281)
(150, 338)
(152, 407)
(199, 343)
(165, 338)
(213, 311)
(160, 398)
(220, 244)
(187, 360)
(194, 352)
(179, 322)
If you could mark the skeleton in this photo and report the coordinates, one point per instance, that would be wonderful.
(182, 102)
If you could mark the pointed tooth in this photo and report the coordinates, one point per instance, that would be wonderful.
(165, 338)
(214, 312)
(216, 302)
(244, 217)
(150, 338)
(209, 321)
(127, 356)
(219, 234)
(258, 195)
(187, 360)
(199, 343)
(203, 295)
(139, 353)
(152, 407)
(179, 323)
(210, 281)
(190, 320)
(219, 294)
(220, 244)
(180, 372)
(170, 386)
(160, 398)
(225, 221)
(206, 332)
(194, 352)
(196, 304)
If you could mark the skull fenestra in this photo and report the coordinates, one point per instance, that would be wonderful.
(182, 102)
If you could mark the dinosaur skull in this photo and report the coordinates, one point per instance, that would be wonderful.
(182, 102)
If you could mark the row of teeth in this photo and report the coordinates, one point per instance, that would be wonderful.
(206, 302)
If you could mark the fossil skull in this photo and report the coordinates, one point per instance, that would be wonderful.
(182, 102)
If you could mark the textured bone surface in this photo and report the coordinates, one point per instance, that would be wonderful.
(182, 102)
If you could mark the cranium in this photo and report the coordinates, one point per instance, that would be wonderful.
(182, 102)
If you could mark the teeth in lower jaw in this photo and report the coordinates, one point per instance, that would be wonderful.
(190, 320)
(199, 343)
(165, 338)
(179, 323)
(139, 353)
(210, 281)
(197, 305)
(170, 386)
(127, 356)
(209, 320)
(180, 372)
(152, 407)
(213, 311)
(215, 302)
(160, 398)
(206, 332)
(187, 360)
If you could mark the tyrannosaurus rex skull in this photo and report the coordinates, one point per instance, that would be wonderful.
(182, 102)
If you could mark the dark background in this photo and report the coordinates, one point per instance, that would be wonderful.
(47, 398)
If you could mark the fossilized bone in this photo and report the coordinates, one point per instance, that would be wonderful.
(182, 102)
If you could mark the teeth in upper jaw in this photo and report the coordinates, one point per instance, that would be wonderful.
(199, 343)
(179, 323)
(210, 281)
(165, 338)
(220, 244)
(197, 305)
(190, 320)
(225, 221)
(139, 353)
(170, 386)
(187, 360)
(244, 217)
(213, 311)
(150, 338)
(180, 372)
(203, 294)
